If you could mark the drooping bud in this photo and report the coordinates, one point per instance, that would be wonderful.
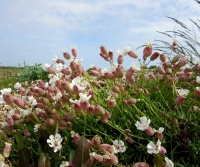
(103, 49)
(120, 59)
(162, 151)
(51, 70)
(129, 139)
(96, 141)
(180, 100)
(73, 50)
(175, 59)
(161, 71)
(60, 61)
(132, 54)
(147, 50)
(154, 56)
(66, 55)
(149, 131)
(132, 101)
(162, 57)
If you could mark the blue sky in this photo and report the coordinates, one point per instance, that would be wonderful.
(36, 31)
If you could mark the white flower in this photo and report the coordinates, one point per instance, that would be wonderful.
(65, 164)
(79, 82)
(57, 96)
(1, 99)
(58, 67)
(187, 66)
(4, 124)
(143, 124)
(36, 126)
(198, 88)
(26, 83)
(135, 67)
(25, 112)
(2, 164)
(10, 113)
(154, 148)
(198, 79)
(5, 91)
(119, 146)
(32, 100)
(160, 130)
(77, 61)
(74, 134)
(182, 92)
(72, 47)
(84, 97)
(17, 85)
(45, 67)
(54, 59)
(124, 52)
(169, 163)
(55, 142)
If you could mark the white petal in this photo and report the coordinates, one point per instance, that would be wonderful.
(115, 142)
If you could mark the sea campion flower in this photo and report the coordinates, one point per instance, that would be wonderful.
(84, 97)
(36, 127)
(45, 67)
(6, 91)
(143, 124)
(79, 82)
(183, 92)
(55, 142)
(135, 67)
(169, 163)
(17, 85)
(119, 146)
(154, 148)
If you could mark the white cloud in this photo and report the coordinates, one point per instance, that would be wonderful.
(48, 27)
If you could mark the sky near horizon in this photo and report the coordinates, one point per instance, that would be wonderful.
(35, 31)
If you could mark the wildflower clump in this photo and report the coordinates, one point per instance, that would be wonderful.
(108, 117)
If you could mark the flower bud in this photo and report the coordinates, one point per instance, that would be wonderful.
(132, 54)
(129, 139)
(120, 59)
(10, 121)
(94, 73)
(154, 56)
(161, 71)
(109, 75)
(66, 71)
(60, 61)
(7, 149)
(149, 131)
(162, 57)
(182, 61)
(66, 55)
(51, 70)
(180, 100)
(132, 101)
(162, 151)
(127, 131)
(110, 54)
(175, 59)
(103, 49)
(147, 51)
(69, 117)
(96, 141)
(105, 147)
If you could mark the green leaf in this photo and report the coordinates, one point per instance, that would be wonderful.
(82, 155)
(24, 157)
(158, 161)
(19, 139)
